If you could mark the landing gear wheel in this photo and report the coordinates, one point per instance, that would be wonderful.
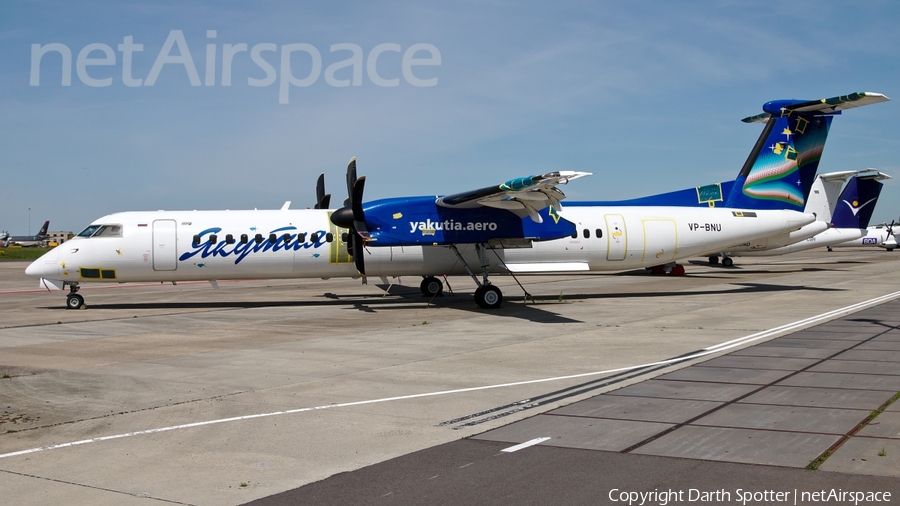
(714, 259)
(431, 287)
(488, 297)
(74, 301)
(727, 262)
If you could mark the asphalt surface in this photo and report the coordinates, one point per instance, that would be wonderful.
(327, 392)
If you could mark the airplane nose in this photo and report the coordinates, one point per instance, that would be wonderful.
(34, 269)
(47, 266)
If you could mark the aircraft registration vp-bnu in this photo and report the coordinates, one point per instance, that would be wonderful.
(518, 226)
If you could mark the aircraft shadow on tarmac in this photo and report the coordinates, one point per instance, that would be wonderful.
(536, 309)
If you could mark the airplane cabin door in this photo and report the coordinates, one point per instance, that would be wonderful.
(165, 256)
(616, 237)
(660, 240)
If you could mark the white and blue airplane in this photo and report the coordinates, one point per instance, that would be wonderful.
(876, 235)
(518, 226)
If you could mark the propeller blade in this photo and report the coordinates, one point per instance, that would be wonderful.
(320, 191)
(351, 175)
(358, 260)
(359, 217)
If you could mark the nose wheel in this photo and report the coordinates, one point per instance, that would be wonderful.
(73, 300)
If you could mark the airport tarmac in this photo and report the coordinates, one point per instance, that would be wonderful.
(334, 393)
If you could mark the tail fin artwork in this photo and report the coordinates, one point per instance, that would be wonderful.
(44, 228)
(855, 205)
(781, 168)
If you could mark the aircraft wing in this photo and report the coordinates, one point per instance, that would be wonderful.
(826, 105)
(526, 195)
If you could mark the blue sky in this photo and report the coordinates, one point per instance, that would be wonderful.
(646, 95)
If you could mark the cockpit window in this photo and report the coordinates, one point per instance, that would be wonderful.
(109, 231)
(102, 231)
(88, 231)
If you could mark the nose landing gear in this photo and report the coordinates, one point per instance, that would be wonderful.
(73, 300)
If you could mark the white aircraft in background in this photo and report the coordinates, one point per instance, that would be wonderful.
(518, 226)
(876, 235)
(839, 218)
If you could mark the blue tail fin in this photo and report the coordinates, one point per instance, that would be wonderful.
(781, 168)
(856, 203)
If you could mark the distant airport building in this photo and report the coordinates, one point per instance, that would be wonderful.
(59, 237)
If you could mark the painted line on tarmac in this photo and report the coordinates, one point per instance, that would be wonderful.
(526, 444)
(707, 351)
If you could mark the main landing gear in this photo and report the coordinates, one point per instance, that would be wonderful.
(73, 300)
(726, 260)
(431, 287)
(487, 296)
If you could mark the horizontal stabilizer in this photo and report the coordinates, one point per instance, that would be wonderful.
(824, 106)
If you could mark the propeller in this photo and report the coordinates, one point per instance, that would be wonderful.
(323, 200)
(890, 230)
(352, 217)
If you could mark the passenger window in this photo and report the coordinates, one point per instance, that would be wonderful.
(273, 238)
(329, 237)
(286, 238)
(244, 239)
(345, 237)
(599, 233)
(301, 237)
(258, 238)
(314, 237)
(575, 235)
(587, 234)
(229, 239)
(196, 241)
(213, 238)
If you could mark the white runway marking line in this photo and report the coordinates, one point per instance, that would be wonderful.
(526, 444)
(707, 351)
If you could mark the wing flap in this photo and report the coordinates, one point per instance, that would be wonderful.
(527, 194)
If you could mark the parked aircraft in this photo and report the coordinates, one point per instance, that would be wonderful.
(846, 215)
(31, 240)
(4, 237)
(512, 227)
(519, 226)
(876, 235)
